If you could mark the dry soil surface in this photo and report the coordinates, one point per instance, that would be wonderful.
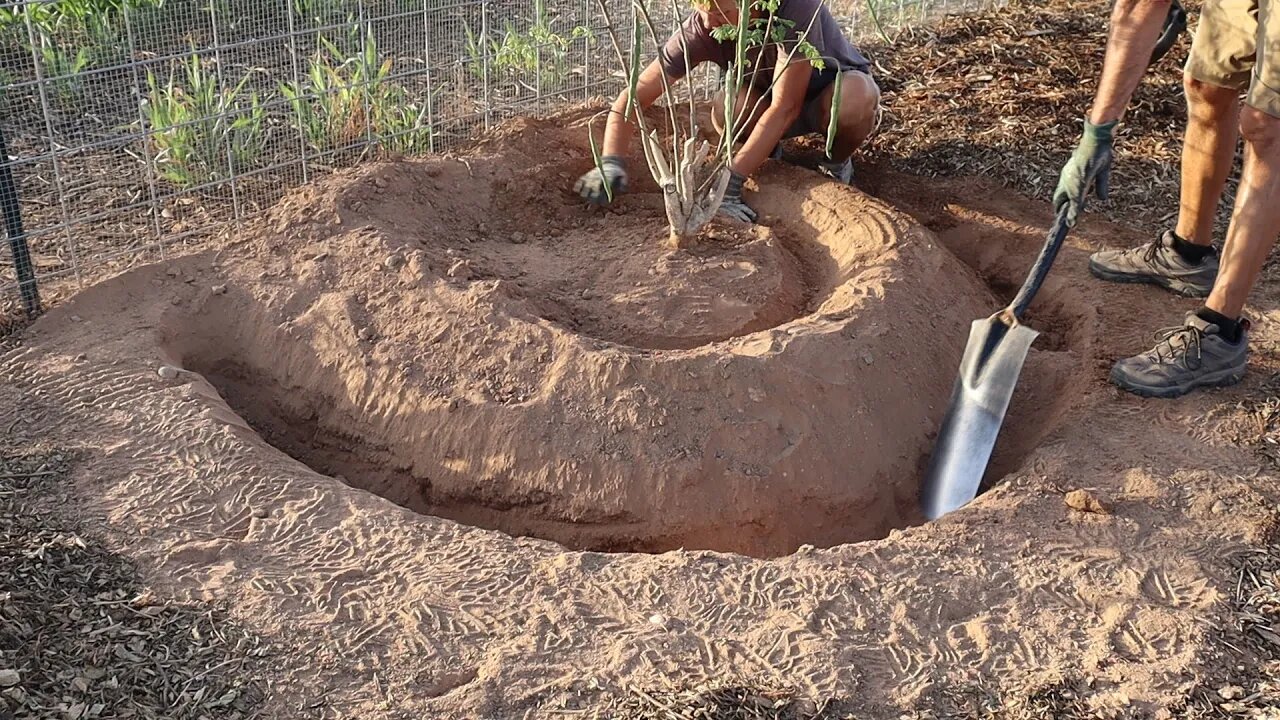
(336, 422)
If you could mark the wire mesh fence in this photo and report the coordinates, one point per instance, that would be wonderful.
(133, 130)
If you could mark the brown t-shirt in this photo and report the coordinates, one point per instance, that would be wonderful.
(824, 34)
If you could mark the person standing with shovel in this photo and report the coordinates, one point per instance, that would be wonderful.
(1236, 50)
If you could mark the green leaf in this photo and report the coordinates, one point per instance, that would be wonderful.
(633, 75)
(599, 161)
(725, 33)
(834, 124)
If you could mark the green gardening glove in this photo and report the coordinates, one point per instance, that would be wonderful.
(1089, 166)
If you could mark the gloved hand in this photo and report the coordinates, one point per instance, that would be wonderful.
(1089, 166)
(732, 205)
(611, 174)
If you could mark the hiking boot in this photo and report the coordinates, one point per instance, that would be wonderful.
(1185, 358)
(1159, 263)
(841, 172)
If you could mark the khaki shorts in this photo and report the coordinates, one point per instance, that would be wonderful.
(1237, 46)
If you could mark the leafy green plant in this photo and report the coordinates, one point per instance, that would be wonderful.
(64, 72)
(201, 131)
(91, 27)
(761, 31)
(539, 54)
(321, 11)
(68, 15)
(343, 98)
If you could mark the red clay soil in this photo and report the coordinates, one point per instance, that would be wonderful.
(464, 339)
(515, 360)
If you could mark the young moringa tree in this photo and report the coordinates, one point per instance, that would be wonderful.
(693, 174)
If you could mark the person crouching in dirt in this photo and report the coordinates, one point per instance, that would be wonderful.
(794, 97)
(1236, 51)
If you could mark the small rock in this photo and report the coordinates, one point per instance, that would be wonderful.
(394, 262)
(1085, 501)
(519, 238)
(585, 294)
(82, 357)
(460, 269)
(219, 289)
(1230, 692)
(321, 256)
(379, 183)
(658, 619)
(168, 372)
(1218, 508)
(172, 272)
(868, 358)
(9, 678)
(75, 318)
(365, 333)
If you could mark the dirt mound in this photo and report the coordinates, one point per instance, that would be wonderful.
(469, 340)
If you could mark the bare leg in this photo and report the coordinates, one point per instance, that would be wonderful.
(1207, 152)
(859, 100)
(1255, 221)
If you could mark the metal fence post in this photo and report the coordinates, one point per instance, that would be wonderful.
(484, 45)
(17, 236)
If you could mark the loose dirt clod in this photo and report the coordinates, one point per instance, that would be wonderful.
(1085, 501)
(1231, 692)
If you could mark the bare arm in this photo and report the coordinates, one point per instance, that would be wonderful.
(788, 100)
(1135, 27)
(619, 129)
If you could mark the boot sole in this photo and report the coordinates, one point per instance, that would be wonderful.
(1222, 378)
(1179, 287)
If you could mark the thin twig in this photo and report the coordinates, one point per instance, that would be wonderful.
(17, 476)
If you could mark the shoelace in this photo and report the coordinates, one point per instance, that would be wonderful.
(1149, 252)
(1182, 338)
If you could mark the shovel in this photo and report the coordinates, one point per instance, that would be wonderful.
(989, 371)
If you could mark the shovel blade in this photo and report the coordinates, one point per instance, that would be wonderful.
(988, 374)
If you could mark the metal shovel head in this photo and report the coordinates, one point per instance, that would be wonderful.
(989, 371)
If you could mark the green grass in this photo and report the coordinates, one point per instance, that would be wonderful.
(202, 132)
(344, 98)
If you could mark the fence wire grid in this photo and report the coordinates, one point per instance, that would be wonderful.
(135, 130)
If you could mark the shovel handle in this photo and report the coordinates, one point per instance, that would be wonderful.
(1174, 24)
(1039, 271)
